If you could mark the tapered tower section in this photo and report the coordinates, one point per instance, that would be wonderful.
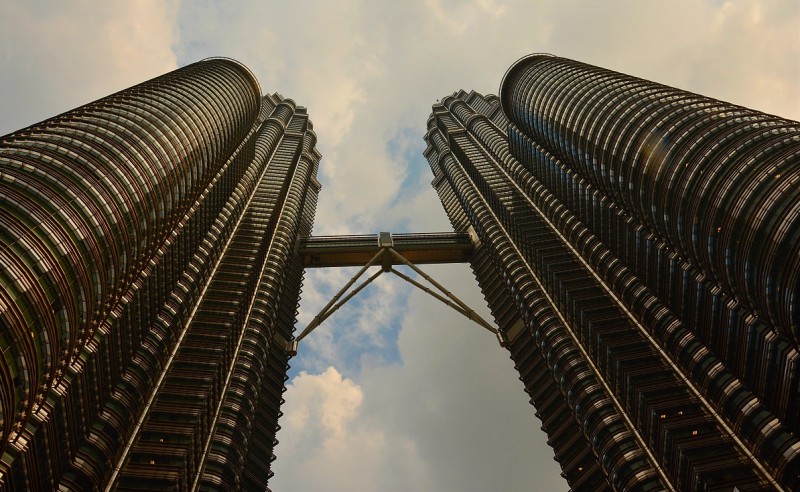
(147, 286)
(639, 251)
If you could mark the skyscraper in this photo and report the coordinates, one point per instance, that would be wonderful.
(148, 286)
(639, 247)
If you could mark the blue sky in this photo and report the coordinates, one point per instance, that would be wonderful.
(395, 392)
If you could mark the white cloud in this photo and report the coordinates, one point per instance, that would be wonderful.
(58, 55)
(327, 405)
(744, 52)
(326, 439)
(452, 415)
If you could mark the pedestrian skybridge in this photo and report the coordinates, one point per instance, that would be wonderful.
(388, 250)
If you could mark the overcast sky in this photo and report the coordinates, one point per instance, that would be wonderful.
(395, 392)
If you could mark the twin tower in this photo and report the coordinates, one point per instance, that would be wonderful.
(638, 246)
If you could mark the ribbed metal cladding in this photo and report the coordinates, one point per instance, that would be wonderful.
(692, 374)
(696, 198)
(460, 158)
(88, 196)
(140, 234)
(720, 184)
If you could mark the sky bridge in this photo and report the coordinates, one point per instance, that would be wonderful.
(388, 250)
(418, 248)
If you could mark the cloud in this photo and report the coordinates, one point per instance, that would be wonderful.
(754, 60)
(451, 415)
(326, 440)
(326, 406)
(744, 52)
(58, 55)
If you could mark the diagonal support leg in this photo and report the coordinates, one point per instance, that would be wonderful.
(470, 313)
(319, 318)
(326, 314)
(446, 297)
